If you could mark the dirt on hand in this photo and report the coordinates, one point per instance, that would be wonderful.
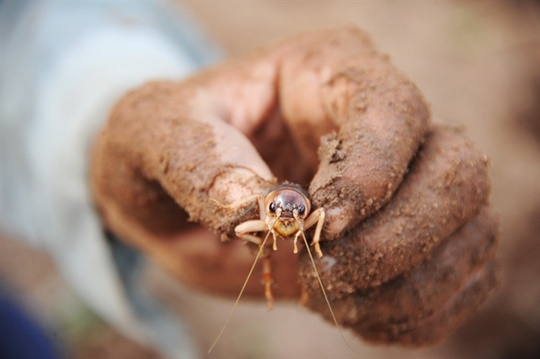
(393, 188)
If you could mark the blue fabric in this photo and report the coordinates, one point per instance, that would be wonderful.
(20, 336)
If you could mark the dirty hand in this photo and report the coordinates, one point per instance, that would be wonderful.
(408, 241)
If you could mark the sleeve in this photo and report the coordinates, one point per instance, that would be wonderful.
(64, 64)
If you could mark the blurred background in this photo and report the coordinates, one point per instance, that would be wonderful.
(478, 65)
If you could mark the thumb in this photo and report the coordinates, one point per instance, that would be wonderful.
(165, 148)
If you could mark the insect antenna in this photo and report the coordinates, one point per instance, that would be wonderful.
(324, 293)
(229, 316)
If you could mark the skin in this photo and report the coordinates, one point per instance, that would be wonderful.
(329, 112)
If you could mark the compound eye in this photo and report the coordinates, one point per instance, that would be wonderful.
(301, 209)
(272, 207)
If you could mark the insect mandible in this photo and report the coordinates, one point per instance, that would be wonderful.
(285, 213)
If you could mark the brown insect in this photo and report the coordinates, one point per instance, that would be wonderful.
(284, 213)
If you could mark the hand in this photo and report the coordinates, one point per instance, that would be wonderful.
(420, 266)
(404, 202)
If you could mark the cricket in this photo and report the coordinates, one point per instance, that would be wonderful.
(284, 213)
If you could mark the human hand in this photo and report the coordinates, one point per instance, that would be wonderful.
(421, 265)
(234, 130)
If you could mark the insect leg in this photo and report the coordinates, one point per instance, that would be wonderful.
(244, 230)
(267, 278)
(316, 217)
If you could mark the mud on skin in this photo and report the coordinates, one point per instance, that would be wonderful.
(385, 278)
(404, 200)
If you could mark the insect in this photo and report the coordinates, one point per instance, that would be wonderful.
(284, 213)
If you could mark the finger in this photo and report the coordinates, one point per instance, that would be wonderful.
(446, 187)
(160, 151)
(427, 290)
(338, 82)
(286, 97)
(184, 136)
(139, 210)
(198, 259)
(453, 281)
(460, 307)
